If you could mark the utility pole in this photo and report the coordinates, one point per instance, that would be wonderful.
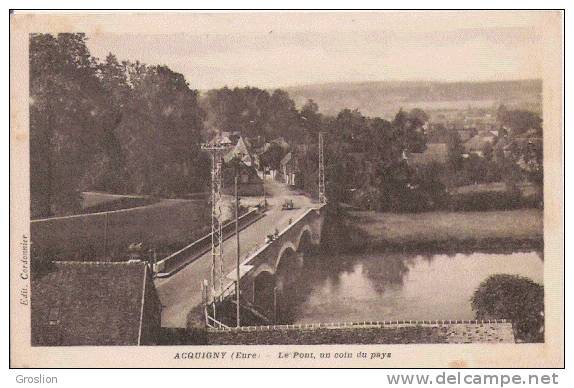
(238, 160)
(263, 184)
(322, 196)
(237, 236)
(274, 305)
(106, 236)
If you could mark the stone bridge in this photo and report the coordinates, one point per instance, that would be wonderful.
(278, 263)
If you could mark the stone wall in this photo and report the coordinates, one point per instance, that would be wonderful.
(499, 331)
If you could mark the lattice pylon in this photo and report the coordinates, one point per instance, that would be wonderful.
(216, 151)
(322, 195)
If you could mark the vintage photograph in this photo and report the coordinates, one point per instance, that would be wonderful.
(290, 178)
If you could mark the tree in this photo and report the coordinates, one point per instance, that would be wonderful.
(160, 133)
(367, 155)
(427, 182)
(512, 297)
(532, 156)
(271, 158)
(67, 109)
(311, 120)
(108, 171)
(254, 112)
(351, 127)
(455, 151)
(409, 132)
(519, 121)
(418, 116)
(476, 168)
(284, 119)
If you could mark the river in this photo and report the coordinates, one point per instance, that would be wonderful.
(396, 286)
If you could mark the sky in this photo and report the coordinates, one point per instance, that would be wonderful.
(271, 50)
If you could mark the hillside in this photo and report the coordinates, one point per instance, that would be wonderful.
(386, 97)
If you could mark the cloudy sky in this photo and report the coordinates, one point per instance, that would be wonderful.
(284, 49)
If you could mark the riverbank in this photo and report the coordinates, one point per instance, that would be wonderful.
(510, 230)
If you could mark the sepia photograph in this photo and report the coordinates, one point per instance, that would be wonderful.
(192, 180)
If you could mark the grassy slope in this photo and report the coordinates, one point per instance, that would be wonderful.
(168, 222)
(451, 227)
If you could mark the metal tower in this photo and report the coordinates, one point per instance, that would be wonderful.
(322, 196)
(216, 149)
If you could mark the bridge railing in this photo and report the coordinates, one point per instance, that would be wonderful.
(187, 254)
(215, 324)
(260, 247)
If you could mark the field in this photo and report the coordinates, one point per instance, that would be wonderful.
(167, 224)
(528, 189)
(450, 229)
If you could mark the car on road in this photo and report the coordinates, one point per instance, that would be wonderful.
(287, 205)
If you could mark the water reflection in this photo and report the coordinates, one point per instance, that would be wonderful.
(395, 285)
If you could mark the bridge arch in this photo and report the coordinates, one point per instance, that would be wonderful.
(305, 239)
(286, 252)
(288, 266)
(263, 268)
(264, 285)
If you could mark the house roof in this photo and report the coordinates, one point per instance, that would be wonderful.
(465, 134)
(229, 174)
(221, 139)
(264, 148)
(286, 159)
(89, 303)
(240, 150)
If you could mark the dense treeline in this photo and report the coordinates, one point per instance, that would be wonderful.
(107, 125)
(126, 127)
(254, 112)
(368, 154)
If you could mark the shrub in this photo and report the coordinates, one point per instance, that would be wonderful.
(512, 297)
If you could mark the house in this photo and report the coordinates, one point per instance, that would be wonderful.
(233, 136)
(249, 183)
(289, 169)
(478, 144)
(434, 153)
(466, 134)
(95, 303)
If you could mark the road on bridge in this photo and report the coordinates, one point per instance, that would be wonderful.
(181, 292)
